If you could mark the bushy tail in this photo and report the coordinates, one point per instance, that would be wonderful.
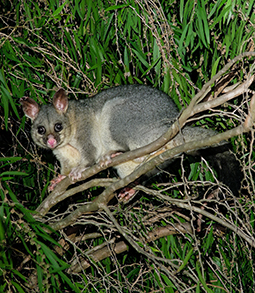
(188, 134)
(221, 158)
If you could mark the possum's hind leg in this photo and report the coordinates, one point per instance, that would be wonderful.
(124, 170)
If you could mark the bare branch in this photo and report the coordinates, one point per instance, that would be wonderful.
(121, 246)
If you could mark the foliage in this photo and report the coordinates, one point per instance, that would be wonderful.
(85, 46)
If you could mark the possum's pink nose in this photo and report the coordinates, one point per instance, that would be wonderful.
(51, 142)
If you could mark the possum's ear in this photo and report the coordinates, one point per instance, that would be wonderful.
(60, 101)
(30, 107)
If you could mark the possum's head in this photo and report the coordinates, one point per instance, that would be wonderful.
(51, 126)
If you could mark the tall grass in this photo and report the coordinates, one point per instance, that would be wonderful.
(86, 46)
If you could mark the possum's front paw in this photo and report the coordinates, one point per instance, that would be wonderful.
(76, 173)
(55, 181)
(106, 160)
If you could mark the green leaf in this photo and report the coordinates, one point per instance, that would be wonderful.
(69, 282)
(39, 273)
(141, 57)
(209, 239)
(59, 9)
(2, 230)
(154, 63)
(215, 67)
(54, 260)
(181, 9)
(195, 171)
(5, 105)
(167, 281)
(13, 173)
(18, 287)
(201, 279)
(6, 93)
(22, 277)
(11, 159)
(115, 7)
(185, 261)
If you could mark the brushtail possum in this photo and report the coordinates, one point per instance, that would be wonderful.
(119, 119)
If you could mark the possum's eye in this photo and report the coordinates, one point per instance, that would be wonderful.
(58, 127)
(41, 130)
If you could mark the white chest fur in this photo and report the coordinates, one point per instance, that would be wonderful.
(68, 156)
